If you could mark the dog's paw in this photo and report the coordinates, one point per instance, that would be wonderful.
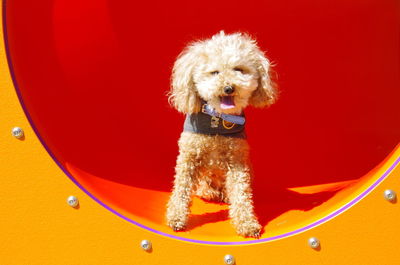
(177, 219)
(177, 216)
(254, 234)
(250, 229)
(177, 225)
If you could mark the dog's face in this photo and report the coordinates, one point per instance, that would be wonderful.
(226, 78)
(229, 72)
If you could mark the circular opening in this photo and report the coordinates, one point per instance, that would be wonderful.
(92, 77)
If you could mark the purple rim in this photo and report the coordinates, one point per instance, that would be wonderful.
(297, 231)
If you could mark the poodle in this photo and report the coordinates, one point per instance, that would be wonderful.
(212, 82)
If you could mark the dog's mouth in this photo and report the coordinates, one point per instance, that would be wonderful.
(227, 102)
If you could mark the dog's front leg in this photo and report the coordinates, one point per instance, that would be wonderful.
(241, 210)
(178, 208)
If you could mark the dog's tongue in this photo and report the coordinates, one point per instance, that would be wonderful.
(227, 102)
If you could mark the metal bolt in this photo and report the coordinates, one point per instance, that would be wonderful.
(146, 245)
(229, 259)
(72, 201)
(17, 132)
(390, 195)
(313, 242)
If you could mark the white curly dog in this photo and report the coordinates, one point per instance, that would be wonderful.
(212, 82)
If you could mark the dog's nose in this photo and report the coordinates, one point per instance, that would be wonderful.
(229, 90)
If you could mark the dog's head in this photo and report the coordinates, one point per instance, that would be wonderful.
(229, 72)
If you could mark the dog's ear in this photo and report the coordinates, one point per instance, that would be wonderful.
(183, 95)
(266, 92)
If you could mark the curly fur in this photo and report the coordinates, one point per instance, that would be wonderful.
(217, 167)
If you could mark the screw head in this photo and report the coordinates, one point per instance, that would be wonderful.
(72, 201)
(146, 245)
(17, 132)
(229, 259)
(313, 242)
(390, 195)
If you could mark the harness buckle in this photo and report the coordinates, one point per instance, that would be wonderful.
(203, 108)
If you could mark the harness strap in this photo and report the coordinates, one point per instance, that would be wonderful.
(231, 118)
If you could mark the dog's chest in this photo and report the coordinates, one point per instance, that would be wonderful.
(217, 157)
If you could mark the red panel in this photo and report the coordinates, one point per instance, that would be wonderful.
(93, 77)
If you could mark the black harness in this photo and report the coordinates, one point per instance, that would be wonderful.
(209, 122)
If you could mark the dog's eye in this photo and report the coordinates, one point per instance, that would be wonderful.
(238, 69)
(214, 72)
